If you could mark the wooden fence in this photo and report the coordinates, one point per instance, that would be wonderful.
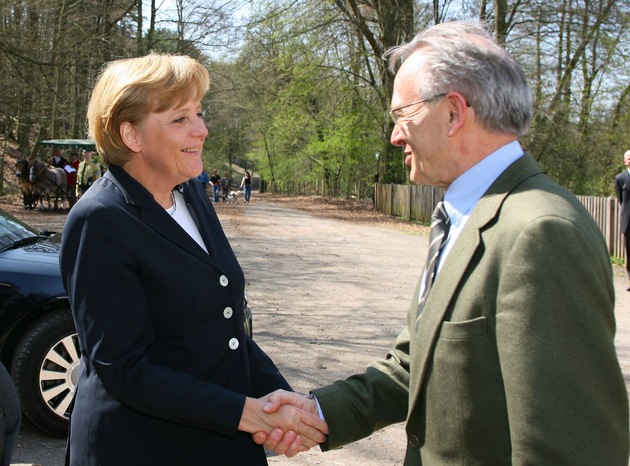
(416, 203)
(317, 187)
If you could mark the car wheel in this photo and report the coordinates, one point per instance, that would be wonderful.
(45, 369)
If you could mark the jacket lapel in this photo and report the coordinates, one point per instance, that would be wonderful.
(454, 267)
(156, 218)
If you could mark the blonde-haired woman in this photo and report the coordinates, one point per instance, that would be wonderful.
(168, 375)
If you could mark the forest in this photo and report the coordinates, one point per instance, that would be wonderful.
(300, 90)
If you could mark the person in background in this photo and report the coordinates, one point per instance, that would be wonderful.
(246, 185)
(71, 177)
(508, 356)
(622, 189)
(204, 178)
(57, 160)
(225, 185)
(215, 181)
(88, 172)
(168, 373)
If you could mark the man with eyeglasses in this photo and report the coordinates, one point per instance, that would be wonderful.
(508, 355)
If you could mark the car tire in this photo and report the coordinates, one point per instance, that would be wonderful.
(45, 370)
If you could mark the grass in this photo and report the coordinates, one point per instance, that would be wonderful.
(617, 261)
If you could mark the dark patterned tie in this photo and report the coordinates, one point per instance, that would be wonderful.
(440, 223)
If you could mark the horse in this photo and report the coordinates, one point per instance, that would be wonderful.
(49, 182)
(29, 193)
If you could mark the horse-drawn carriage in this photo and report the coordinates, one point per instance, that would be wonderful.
(39, 181)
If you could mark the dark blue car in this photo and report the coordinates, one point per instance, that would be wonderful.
(38, 342)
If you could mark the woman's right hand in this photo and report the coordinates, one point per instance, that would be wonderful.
(292, 425)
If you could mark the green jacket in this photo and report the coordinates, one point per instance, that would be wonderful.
(513, 361)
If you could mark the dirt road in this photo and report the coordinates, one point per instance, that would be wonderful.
(328, 295)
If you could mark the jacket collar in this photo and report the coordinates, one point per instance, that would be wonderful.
(154, 216)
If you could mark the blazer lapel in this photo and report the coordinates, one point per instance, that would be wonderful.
(454, 267)
(157, 219)
(154, 216)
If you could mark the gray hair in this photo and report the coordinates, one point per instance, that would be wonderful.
(462, 57)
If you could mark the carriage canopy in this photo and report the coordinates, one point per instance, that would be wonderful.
(64, 144)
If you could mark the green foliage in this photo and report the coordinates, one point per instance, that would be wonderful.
(320, 108)
(314, 122)
(302, 99)
(617, 261)
(576, 65)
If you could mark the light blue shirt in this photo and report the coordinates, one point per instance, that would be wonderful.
(464, 193)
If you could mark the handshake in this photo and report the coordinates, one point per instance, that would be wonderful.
(285, 422)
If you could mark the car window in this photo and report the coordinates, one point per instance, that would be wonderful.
(12, 230)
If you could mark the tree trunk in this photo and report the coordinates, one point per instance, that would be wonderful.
(395, 24)
(500, 20)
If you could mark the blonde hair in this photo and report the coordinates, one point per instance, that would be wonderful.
(129, 89)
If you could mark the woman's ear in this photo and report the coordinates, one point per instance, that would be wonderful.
(130, 137)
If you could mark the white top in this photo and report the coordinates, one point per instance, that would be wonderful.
(182, 216)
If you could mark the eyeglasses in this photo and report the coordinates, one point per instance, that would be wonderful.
(394, 116)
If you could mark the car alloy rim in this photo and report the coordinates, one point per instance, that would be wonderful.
(59, 373)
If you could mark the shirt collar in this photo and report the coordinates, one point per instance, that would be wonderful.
(464, 193)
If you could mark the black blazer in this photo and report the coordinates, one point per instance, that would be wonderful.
(622, 189)
(166, 364)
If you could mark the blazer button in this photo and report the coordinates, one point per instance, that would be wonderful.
(227, 312)
(223, 280)
(413, 441)
(233, 343)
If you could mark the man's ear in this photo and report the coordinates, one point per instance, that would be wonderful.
(130, 136)
(458, 111)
